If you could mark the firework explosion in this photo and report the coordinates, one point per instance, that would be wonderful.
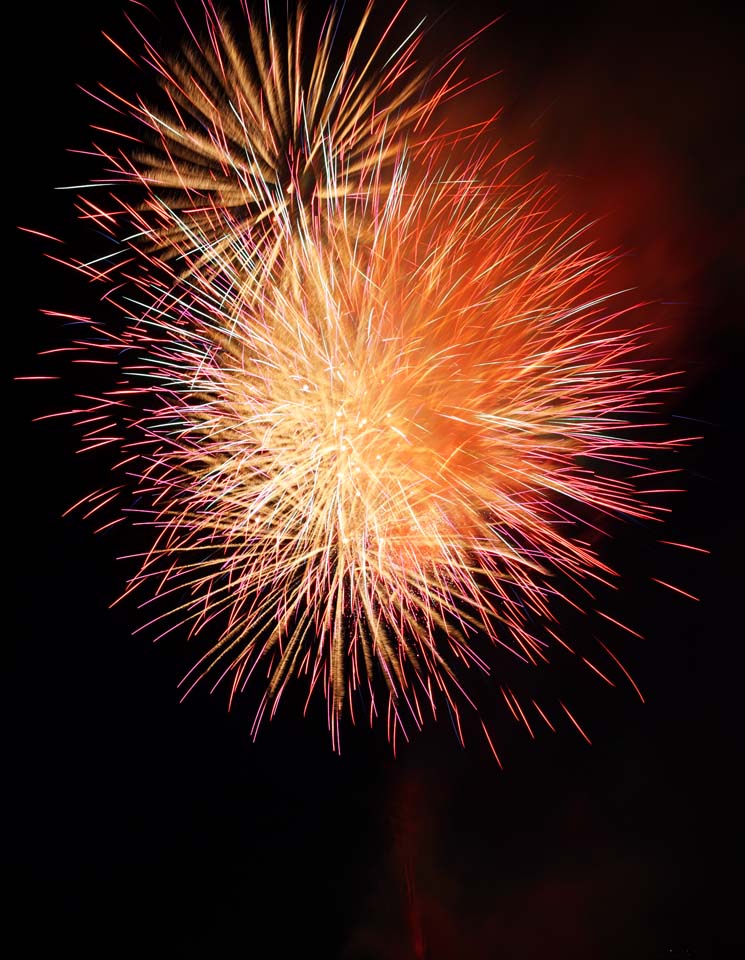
(249, 131)
(375, 394)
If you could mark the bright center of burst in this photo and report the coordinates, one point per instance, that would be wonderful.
(382, 479)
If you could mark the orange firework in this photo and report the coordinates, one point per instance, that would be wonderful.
(372, 471)
(379, 412)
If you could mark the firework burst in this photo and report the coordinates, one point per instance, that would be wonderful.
(378, 415)
(258, 123)
(371, 474)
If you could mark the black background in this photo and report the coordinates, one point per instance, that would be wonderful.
(138, 824)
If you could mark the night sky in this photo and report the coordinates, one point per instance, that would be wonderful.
(140, 825)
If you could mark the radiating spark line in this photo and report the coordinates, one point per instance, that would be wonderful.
(676, 589)
(685, 546)
(551, 727)
(582, 732)
(491, 745)
(623, 669)
(38, 233)
(618, 623)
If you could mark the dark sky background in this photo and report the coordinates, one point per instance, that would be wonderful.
(141, 825)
